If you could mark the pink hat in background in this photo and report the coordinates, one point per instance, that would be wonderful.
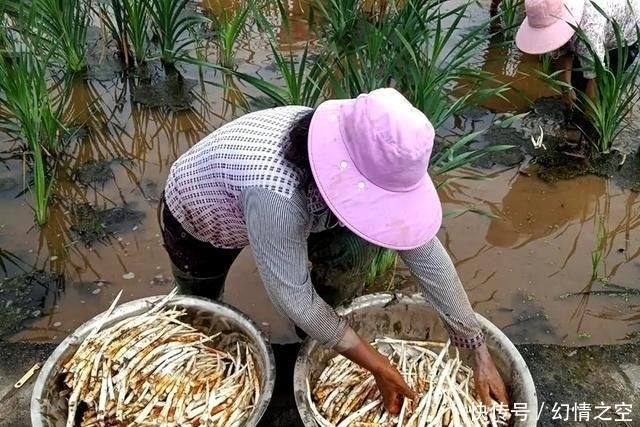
(548, 24)
(369, 157)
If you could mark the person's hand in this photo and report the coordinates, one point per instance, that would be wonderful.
(392, 387)
(389, 381)
(488, 382)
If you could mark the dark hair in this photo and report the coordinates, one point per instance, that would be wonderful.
(297, 151)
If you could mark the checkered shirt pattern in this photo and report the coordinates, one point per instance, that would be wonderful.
(235, 188)
(204, 185)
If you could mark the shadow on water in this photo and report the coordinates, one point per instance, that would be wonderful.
(542, 246)
(528, 267)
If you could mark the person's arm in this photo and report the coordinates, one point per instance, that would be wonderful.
(438, 280)
(594, 29)
(588, 64)
(591, 90)
(278, 229)
(565, 64)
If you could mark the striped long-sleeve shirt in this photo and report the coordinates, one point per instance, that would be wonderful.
(235, 188)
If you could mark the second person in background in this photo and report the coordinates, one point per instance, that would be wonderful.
(548, 28)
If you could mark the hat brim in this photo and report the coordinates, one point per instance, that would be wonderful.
(394, 220)
(538, 41)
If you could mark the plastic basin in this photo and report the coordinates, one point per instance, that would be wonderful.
(50, 410)
(405, 316)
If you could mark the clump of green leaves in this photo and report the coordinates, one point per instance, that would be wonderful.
(302, 79)
(510, 13)
(137, 25)
(172, 21)
(58, 27)
(228, 28)
(29, 112)
(128, 23)
(617, 90)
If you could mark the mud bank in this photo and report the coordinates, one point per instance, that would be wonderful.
(597, 377)
(560, 151)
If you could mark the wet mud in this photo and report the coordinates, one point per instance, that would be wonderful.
(604, 380)
(172, 92)
(7, 184)
(495, 136)
(92, 225)
(94, 172)
(517, 263)
(564, 153)
(26, 296)
(102, 62)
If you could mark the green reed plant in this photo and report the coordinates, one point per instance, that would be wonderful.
(359, 70)
(339, 22)
(229, 26)
(113, 18)
(128, 23)
(384, 261)
(172, 21)
(422, 49)
(617, 90)
(24, 95)
(62, 25)
(546, 61)
(302, 80)
(510, 14)
(597, 252)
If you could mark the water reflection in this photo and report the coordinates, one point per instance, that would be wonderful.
(508, 65)
(10, 262)
(532, 209)
(137, 145)
(515, 267)
(540, 248)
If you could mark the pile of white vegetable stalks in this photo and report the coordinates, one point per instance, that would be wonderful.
(346, 395)
(155, 370)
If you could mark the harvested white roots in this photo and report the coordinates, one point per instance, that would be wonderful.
(153, 370)
(346, 395)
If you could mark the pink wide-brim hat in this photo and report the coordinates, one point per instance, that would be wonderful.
(548, 24)
(369, 157)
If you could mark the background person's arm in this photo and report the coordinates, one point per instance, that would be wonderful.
(594, 26)
(565, 64)
(278, 230)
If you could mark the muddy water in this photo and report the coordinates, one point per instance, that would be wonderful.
(517, 269)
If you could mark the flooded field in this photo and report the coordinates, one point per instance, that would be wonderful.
(556, 262)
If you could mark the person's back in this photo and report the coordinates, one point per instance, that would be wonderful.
(204, 185)
(600, 32)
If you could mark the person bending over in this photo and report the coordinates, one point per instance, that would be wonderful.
(271, 178)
